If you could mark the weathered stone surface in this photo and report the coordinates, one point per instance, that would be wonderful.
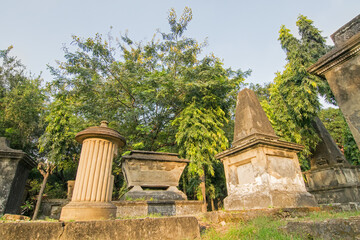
(31, 230)
(331, 178)
(261, 171)
(94, 182)
(52, 208)
(70, 184)
(15, 217)
(165, 208)
(251, 118)
(328, 229)
(341, 68)
(153, 175)
(15, 166)
(148, 228)
(343, 34)
(327, 153)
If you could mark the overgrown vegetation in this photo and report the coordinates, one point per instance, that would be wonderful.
(269, 227)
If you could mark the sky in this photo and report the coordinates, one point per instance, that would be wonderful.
(242, 33)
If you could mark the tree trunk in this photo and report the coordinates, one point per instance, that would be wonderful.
(203, 191)
(45, 174)
(212, 205)
(38, 202)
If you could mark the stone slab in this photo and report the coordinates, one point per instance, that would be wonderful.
(148, 228)
(165, 208)
(328, 229)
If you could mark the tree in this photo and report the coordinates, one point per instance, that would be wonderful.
(294, 100)
(45, 169)
(22, 101)
(142, 89)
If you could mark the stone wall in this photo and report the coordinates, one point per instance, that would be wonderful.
(148, 228)
(15, 166)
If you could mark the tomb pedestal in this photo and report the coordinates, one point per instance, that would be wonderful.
(153, 175)
(264, 172)
(94, 182)
(261, 171)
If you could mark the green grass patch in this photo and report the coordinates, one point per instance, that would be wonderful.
(258, 228)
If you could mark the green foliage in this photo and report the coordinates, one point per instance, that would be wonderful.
(335, 123)
(294, 101)
(200, 137)
(141, 88)
(21, 104)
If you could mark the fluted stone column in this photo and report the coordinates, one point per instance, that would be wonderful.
(94, 182)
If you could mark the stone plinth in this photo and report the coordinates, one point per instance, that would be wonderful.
(341, 68)
(331, 178)
(153, 175)
(162, 207)
(93, 184)
(15, 166)
(261, 171)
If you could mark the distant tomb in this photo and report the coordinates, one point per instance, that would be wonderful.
(261, 170)
(15, 166)
(331, 179)
(152, 178)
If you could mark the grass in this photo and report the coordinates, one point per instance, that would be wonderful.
(258, 228)
(268, 227)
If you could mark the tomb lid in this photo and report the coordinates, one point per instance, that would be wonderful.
(102, 131)
(250, 118)
(154, 156)
(7, 152)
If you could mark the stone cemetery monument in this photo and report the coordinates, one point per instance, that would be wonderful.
(153, 175)
(15, 166)
(331, 178)
(152, 178)
(341, 68)
(261, 170)
(91, 199)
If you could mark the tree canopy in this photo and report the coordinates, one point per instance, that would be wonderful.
(157, 94)
(22, 104)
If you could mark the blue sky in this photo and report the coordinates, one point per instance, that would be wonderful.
(242, 33)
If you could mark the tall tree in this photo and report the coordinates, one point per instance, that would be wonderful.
(22, 104)
(141, 88)
(294, 100)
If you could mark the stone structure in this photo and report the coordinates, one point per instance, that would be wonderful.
(331, 178)
(174, 228)
(152, 178)
(15, 166)
(153, 175)
(94, 182)
(341, 68)
(261, 170)
(162, 207)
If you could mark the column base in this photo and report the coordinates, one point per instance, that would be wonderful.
(88, 211)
